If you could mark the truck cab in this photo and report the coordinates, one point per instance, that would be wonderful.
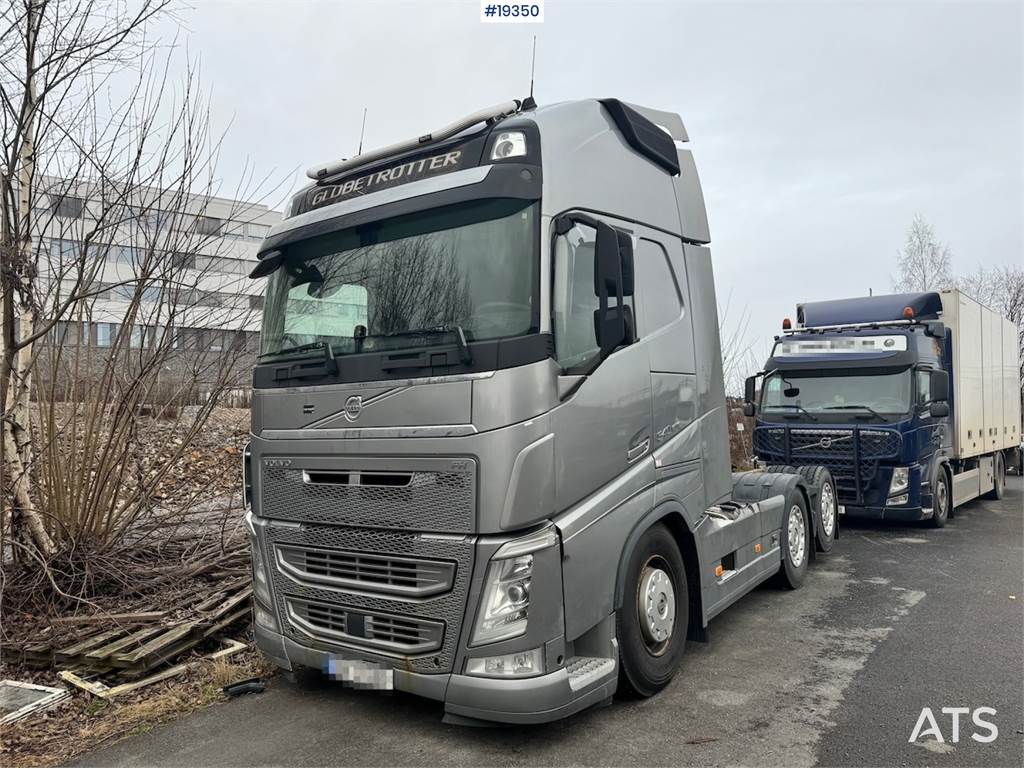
(489, 457)
(867, 399)
(910, 400)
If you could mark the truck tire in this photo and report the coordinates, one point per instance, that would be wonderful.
(824, 505)
(795, 542)
(942, 501)
(652, 622)
(998, 479)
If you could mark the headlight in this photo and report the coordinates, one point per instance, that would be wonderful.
(900, 480)
(505, 604)
(260, 584)
(509, 144)
(247, 476)
(520, 664)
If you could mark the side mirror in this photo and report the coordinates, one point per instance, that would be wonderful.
(749, 409)
(937, 410)
(749, 389)
(939, 386)
(626, 262)
(936, 330)
(610, 321)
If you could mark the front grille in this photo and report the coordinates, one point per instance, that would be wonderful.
(389, 574)
(851, 455)
(413, 494)
(394, 633)
(389, 633)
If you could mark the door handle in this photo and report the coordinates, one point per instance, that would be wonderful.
(638, 450)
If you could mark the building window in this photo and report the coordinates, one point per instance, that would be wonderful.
(183, 261)
(210, 299)
(257, 231)
(138, 337)
(67, 207)
(256, 302)
(215, 341)
(105, 334)
(63, 249)
(207, 225)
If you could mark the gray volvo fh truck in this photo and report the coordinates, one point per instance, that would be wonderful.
(489, 459)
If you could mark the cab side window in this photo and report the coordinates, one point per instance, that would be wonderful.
(924, 387)
(574, 300)
(659, 296)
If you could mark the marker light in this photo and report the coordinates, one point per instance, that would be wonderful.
(908, 313)
(786, 324)
(509, 144)
(719, 570)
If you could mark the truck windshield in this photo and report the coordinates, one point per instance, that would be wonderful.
(412, 281)
(817, 391)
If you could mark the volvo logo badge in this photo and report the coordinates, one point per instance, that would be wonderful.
(825, 442)
(353, 407)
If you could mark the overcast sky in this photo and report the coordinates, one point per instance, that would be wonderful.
(819, 129)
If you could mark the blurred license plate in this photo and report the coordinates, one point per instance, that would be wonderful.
(842, 509)
(361, 674)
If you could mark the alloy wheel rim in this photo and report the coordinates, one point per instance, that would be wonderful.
(797, 531)
(828, 508)
(657, 606)
(942, 500)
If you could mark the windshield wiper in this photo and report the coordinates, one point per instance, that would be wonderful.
(867, 408)
(460, 337)
(800, 408)
(315, 346)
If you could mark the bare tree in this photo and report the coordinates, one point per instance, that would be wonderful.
(924, 264)
(1002, 289)
(114, 162)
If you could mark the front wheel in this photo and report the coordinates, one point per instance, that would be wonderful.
(940, 501)
(653, 620)
(796, 542)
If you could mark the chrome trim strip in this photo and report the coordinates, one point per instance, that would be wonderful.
(348, 433)
(385, 383)
(385, 196)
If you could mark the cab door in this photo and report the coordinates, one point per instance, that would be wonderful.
(603, 426)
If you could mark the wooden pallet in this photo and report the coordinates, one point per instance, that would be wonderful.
(137, 646)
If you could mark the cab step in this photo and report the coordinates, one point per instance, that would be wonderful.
(586, 670)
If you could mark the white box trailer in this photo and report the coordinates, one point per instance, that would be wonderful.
(986, 377)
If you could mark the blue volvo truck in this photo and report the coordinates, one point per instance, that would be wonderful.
(912, 401)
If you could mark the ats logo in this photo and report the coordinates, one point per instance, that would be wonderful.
(928, 725)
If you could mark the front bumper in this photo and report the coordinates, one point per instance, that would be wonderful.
(466, 698)
(905, 514)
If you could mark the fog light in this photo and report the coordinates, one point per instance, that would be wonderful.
(897, 501)
(509, 144)
(263, 617)
(520, 664)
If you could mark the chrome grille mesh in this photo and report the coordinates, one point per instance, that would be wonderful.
(442, 611)
(852, 456)
(390, 574)
(417, 499)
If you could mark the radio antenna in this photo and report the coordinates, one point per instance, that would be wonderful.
(362, 131)
(529, 102)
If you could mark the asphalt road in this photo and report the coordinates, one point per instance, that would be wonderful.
(896, 619)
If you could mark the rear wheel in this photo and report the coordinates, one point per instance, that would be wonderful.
(653, 620)
(824, 503)
(941, 501)
(999, 478)
(796, 542)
